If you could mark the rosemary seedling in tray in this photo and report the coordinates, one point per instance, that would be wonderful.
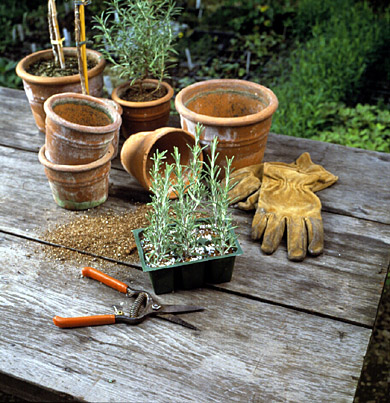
(198, 223)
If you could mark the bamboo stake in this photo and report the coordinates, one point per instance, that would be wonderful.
(79, 56)
(81, 44)
(84, 47)
(51, 32)
(55, 37)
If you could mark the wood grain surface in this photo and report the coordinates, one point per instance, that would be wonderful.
(245, 350)
(279, 331)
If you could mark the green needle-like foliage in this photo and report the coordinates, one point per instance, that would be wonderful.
(220, 218)
(158, 230)
(173, 233)
(136, 36)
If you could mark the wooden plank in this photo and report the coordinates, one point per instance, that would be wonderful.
(345, 282)
(17, 126)
(362, 190)
(246, 350)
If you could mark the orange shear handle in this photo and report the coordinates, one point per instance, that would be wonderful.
(105, 279)
(82, 321)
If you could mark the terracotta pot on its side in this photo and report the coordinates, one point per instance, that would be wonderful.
(239, 112)
(38, 89)
(143, 116)
(79, 128)
(139, 148)
(78, 187)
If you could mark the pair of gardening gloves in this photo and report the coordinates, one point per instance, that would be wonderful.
(283, 195)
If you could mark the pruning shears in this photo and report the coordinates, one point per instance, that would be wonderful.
(143, 306)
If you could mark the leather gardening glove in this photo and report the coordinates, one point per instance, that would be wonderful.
(287, 198)
(246, 181)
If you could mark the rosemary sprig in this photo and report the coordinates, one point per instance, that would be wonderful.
(220, 217)
(158, 231)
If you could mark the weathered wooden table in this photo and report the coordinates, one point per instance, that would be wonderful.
(279, 331)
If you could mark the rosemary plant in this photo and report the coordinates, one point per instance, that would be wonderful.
(196, 188)
(175, 231)
(184, 214)
(136, 36)
(189, 191)
(220, 218)
(158, 231)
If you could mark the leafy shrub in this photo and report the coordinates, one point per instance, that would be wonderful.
(8, 78)
(364, 126)
(328, 68)
(316, 13)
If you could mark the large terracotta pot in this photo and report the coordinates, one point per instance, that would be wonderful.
(138, 149)
(143, 116)
(38, 89)
(79, 128)
(238, 112)
(78, 187)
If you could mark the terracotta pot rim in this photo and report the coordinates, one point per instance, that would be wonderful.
(31, 58)
(117, 90)
(88, 99)
(161, 132)
(141, 140)
(74, 168)
(268, 111)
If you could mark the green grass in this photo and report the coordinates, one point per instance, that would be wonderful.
(327, 70)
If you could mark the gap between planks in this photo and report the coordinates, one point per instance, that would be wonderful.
(208, 286)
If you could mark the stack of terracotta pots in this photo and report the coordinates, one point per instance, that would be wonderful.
(38, 88)
(80, 132)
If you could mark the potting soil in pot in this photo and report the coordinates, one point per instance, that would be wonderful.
(103, 234)
(133, 94)
(82, 114)
(48, 68)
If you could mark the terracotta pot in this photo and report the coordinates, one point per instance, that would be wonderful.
(79, 128)
(78, 187)
(139, 148)
(238, 112)
(38, 89)
(143, 116)
(115, 140)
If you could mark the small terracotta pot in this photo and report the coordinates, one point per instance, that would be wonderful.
(79, 128)
(78, 187)
(143, 116)
(238, 112)
(38, 89)
(138, 149)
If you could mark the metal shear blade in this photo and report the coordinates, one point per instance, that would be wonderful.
(143, 306)
(166, 313)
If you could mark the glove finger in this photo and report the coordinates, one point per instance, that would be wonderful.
(296, 239)
(250, 203)
(244, 189)
(273, 233)
(315, 232)
(323, 177)
(259, 223)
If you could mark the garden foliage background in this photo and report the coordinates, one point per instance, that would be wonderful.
(326, 60)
